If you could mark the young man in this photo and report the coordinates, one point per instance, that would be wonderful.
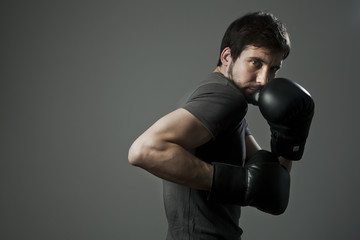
(204, 151)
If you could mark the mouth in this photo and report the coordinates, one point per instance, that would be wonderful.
(252, 89)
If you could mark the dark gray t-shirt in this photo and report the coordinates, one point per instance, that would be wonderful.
(221, 108)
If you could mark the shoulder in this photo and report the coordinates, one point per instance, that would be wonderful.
(219, 94)
(216, 102)
(216, 89)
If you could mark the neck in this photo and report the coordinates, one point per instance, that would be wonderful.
(222, 69)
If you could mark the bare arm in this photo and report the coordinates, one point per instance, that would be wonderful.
(251, 146)
(163, 150)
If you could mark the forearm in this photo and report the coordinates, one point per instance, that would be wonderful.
(172, 162)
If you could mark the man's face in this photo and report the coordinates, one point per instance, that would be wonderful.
(254, 68)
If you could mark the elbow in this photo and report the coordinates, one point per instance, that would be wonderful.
(143, 153)
(132, 158)
(136, 154)
(148, 152)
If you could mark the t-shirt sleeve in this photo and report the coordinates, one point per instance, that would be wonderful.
(217, 106)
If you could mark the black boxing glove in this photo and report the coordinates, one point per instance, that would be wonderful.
(262, 183)
(289, 109)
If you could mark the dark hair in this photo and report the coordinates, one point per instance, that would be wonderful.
(259, 29)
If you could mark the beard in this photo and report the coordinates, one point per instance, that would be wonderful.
(230, 71)
(248, 91)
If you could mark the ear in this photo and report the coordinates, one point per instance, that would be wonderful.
(225, 56)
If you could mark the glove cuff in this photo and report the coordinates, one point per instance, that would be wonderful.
(289, 148)
(229, 184)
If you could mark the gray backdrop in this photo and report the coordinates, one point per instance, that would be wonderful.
(80, 80)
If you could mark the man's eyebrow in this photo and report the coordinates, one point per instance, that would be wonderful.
(258, 59)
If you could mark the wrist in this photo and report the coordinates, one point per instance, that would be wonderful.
(286, 163)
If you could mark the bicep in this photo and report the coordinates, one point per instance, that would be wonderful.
(180, 127)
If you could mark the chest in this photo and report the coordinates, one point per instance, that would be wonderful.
(228, 147)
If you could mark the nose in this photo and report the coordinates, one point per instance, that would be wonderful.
(262, 77)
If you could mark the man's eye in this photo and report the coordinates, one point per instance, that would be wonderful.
(256, 63)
